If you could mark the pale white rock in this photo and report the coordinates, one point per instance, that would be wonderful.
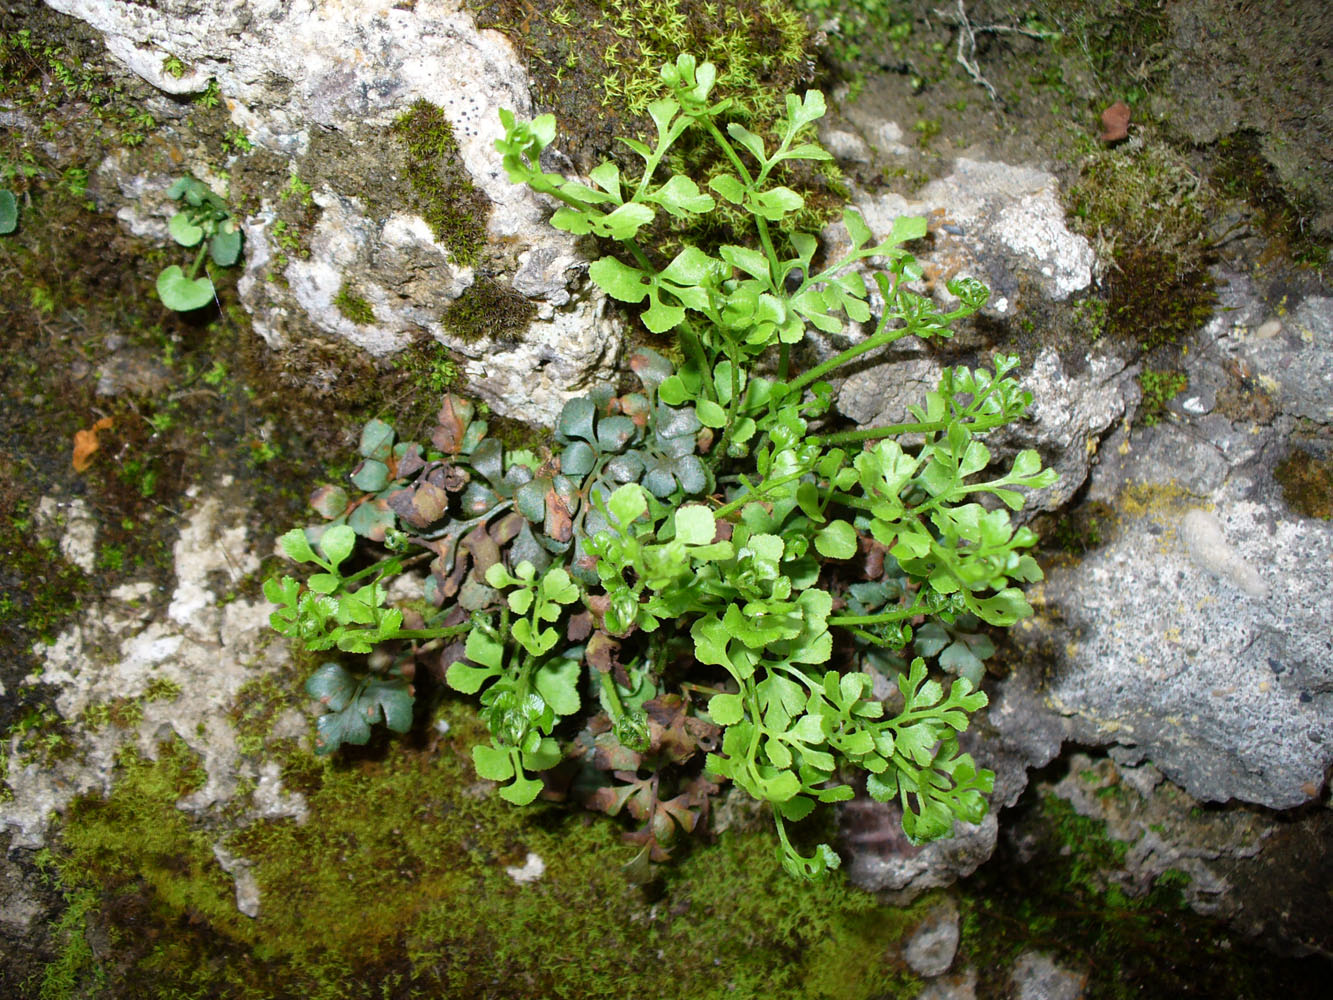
(1209, 549)
(207, 651)
(1037, 976)
(931, 948)
(532, 869)
(843, 145)
(78, 530)
(888, 138)
(286, 69)
(961, 986)
(1006, 221)
(271, 799)
(241, 870)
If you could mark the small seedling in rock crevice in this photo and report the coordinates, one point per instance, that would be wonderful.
(205, 222)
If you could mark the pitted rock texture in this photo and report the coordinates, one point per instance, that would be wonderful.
(1197, 638)
(996, 222)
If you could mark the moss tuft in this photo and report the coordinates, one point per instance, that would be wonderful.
(1307, 484)
(488, 310)
(353, 306)
(443, 192)
(595, 64)
(1151, 213)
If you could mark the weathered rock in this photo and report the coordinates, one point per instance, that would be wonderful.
(291, 74)
(197, 652)
(1198, 637)
(999, 223)
(961, 986)
(1003, 225)
(1037, 976)
(931, 948)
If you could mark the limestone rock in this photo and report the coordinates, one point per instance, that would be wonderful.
(119, 649)
(1197, 638)
(1037, 976)
(301, 79)
(931, 948)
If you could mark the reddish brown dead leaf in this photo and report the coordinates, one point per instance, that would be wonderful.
(448, 436)
(580, 626)
(1115, 122)
(559, 523)
(86, 445)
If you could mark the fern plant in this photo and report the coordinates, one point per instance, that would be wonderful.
(695, 586)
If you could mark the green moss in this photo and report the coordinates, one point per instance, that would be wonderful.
(377, 893)
(443, 192)
(353, 306)
(76, 970)
(867, 30)
(1307, 483)
(42, 590)
(1150, 212)
(1159, 388)
(258, 704)
(1089, 318)
(595, 63)
(488, 310)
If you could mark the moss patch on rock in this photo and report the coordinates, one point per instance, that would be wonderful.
(443, 192)
(401, 879)
(489, 310)
(1079, 911)
(352, 306)
(595, 64)
(1307, 483)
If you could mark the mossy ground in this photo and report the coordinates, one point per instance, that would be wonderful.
(396, 886)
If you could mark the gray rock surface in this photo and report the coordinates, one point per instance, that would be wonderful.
(999, 223)
(1004, 225)
(1198, 637)
(961, 986)
(931, 948)
(1037, 976)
